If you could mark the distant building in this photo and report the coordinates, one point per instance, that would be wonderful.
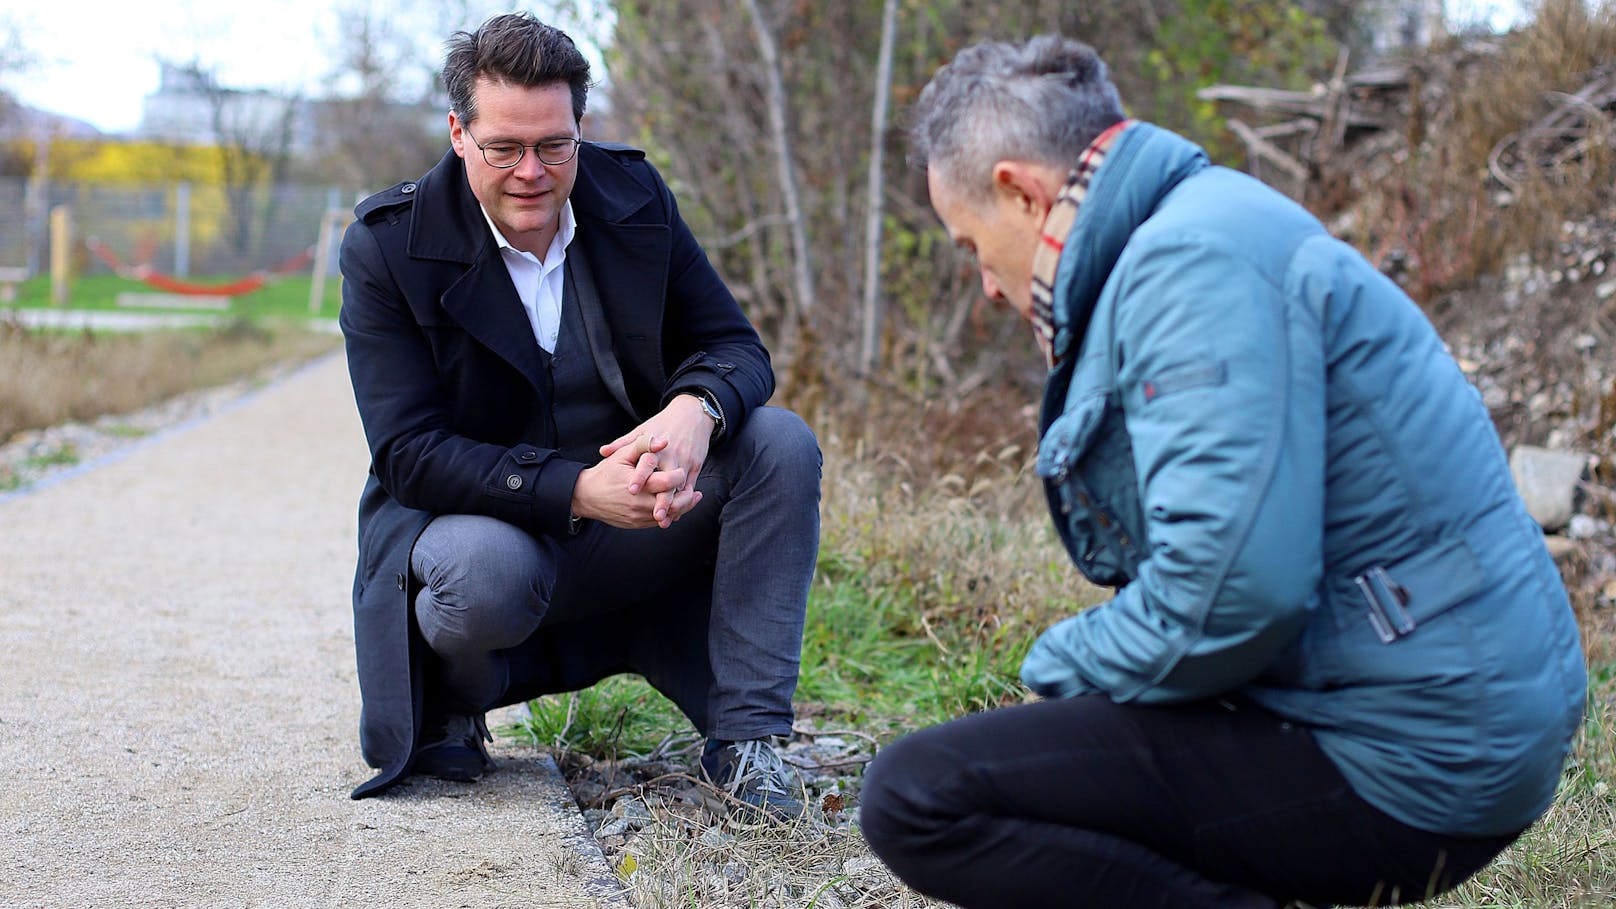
(189, 108)
(1402, 25)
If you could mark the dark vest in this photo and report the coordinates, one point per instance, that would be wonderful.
(584, 411)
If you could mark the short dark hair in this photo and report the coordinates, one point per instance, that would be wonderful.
(517, 49)
(1044, 100)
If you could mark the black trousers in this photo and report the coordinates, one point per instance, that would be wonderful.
(1084, 802)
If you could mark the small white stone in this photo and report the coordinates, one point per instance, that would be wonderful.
(1559, 547)
(1585, 527)
(862, 864)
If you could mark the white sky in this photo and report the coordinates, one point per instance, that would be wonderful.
(97, 59)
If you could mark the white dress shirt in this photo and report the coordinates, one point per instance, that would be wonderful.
(540, 285)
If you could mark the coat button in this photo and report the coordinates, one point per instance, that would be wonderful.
(529, 455)
(513, 482)
(399, 580)
(407, 188)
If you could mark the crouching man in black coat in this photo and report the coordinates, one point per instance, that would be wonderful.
(572, 471)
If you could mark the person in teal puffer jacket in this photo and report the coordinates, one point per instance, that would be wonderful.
(1340, 666)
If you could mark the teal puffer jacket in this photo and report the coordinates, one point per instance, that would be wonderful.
(1262, 442)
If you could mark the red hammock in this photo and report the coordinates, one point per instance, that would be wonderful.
(147, 275)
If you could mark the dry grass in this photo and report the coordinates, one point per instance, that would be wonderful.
(938, 562)
(48, 378)
(949, 510)
(805, 865)
(1437, 202)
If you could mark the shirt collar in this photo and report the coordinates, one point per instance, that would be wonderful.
(562, 239)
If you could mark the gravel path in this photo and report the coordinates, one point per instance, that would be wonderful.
(177, 697)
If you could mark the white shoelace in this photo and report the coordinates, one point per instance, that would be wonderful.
(757, 760)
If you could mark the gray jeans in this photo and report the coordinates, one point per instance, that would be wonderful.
(710, 610)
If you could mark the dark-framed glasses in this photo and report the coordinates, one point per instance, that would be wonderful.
(509, 154)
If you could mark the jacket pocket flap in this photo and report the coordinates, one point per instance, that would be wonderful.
(1069, 437)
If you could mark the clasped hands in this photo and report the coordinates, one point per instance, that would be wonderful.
(647, 476)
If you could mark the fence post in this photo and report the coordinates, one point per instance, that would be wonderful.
(61, 228)
(38, 198)
(182, 229)
(322, 257)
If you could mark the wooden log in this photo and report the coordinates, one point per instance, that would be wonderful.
(1301, 126)
(1308, 104)
(1270, 153)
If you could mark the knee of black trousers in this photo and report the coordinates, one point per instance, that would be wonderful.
(785, 443)
(903, 802)
(495, 614)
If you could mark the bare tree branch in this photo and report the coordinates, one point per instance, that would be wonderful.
(775, 93)
(870, 344)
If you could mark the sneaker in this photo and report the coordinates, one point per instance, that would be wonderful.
(456, 751)
(752, 774)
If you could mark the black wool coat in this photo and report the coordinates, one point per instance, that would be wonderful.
(450, 387)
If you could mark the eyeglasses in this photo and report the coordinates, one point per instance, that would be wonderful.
(509, 154)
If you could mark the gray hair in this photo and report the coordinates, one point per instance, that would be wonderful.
(516, 49)
(1044, 101)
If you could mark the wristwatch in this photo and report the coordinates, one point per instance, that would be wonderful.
(709, 406)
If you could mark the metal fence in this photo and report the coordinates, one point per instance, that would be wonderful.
(179, 229)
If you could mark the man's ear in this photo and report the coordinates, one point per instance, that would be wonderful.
(457, 134)
(1024, 186)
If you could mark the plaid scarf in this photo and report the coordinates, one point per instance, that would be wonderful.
(1057, 228)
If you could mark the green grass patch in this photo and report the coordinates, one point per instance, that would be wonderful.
(61, 456)
(282, 298)
(125, 431)
(619, 716)
(873, 657)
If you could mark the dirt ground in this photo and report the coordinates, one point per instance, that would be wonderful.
(178, 708)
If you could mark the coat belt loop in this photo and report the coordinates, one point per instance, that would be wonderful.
(1388, 601)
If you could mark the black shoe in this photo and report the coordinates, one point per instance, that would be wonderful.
(455, 750)
(752, 775)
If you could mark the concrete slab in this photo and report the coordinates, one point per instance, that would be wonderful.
(130, 320)
(149, 300)
(177, 696)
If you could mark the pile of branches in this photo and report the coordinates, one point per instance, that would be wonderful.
(1353, 128)
(1579, 126)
